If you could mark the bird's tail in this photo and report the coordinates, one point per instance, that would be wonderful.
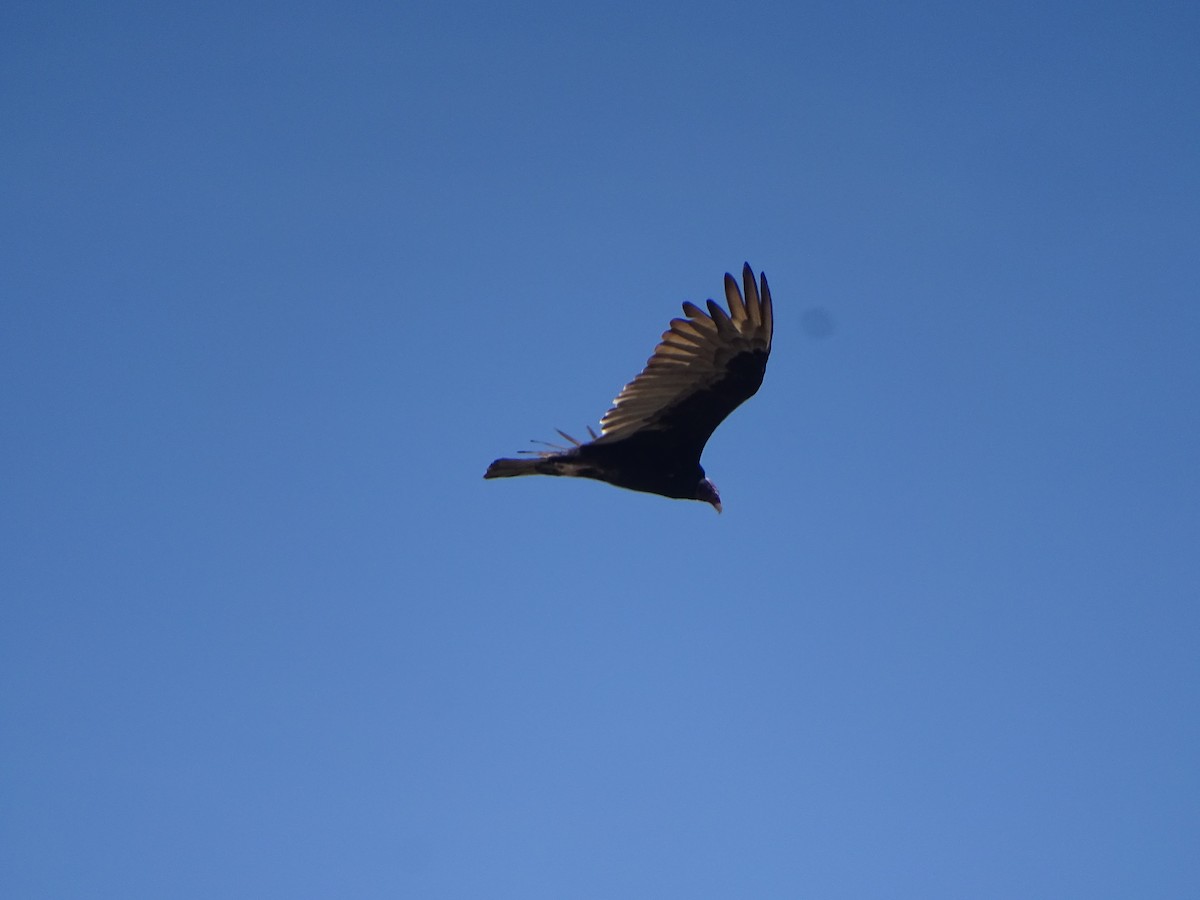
(508, 468)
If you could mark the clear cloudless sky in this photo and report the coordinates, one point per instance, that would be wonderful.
(279, 280)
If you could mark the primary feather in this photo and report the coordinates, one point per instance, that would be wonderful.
(706, 365)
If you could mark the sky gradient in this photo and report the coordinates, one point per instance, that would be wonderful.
(280, 280)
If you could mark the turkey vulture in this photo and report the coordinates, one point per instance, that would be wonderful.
(652, 437)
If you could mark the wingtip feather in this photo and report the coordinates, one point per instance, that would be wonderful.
(768, 309)
(753, 306)
(721, 318)
(737, 306)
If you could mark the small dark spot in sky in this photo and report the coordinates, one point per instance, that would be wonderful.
(817, 322)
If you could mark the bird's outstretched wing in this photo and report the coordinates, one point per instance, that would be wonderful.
(705, 367)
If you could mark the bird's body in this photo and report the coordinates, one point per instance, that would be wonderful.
(651, 439)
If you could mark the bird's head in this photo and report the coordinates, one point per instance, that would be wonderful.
(707, 491)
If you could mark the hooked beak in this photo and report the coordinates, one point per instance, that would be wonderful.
(707, 491)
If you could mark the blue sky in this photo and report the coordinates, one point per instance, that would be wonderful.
(281, 279)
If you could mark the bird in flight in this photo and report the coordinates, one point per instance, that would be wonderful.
(651, 439)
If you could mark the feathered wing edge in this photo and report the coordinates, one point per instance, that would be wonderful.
(693, 355)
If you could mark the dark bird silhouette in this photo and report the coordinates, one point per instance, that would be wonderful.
(651, 439)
